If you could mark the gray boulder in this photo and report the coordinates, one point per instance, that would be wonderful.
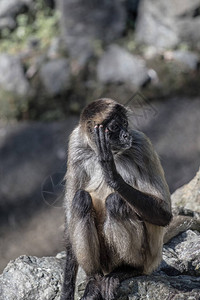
(7, 22)
(166, 23)
(12, 78)
(29, 278)
(160, 287)
(83, 22)
(10, 9)
(118, 65)
(182, 255)
(188, 195)
(155, 26)
(179, 8)
(189, 31)
(55, 76)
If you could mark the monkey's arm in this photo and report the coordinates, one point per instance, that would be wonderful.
(150, 208)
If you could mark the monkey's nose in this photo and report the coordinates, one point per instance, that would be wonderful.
(125, 135)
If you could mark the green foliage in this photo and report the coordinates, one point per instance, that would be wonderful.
(40, 24)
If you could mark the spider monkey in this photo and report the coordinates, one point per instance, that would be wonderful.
(117, 202)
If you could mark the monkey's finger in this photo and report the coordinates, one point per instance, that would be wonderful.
(109, 152)
(103, 140)
(97, 139)
(107, 141)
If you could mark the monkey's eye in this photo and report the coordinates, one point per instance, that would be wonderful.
(113, 127)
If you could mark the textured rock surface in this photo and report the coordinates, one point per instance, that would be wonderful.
(189, 194)
(12, 7)
(83, 22)
(182, 255)
(9, 10)
(160, 288)
(155, 27)
(12, 78)
(30, 278)
(118, 65)
(179, 22)
(55, 76)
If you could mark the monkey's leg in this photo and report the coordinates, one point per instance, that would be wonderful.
(70, 272)
(86, 243)
(119, 214)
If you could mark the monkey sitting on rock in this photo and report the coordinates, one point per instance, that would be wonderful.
(117, 202)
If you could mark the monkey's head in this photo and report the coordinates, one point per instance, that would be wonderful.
(113, 117)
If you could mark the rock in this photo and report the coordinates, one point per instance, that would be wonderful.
(7, 23)
(188, 59)
(182, 255)
(178, 23)
(187, 20)
(179, 8)
(153, 27)
(188, 195)
(12, 78)
(117, 65)
(83, 22)
(29, 277)
(10, 9)
(189, 31)
(55, 76)
(160, 288)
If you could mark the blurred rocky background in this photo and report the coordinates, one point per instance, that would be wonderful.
(57, 56)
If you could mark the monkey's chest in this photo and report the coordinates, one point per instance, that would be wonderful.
(99, 191)
(98, 188)
(99, 208)
(99, 203)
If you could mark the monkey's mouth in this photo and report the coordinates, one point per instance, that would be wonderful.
(123, 146)
(122, 142)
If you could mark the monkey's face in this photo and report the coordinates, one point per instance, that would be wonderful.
(119, 137)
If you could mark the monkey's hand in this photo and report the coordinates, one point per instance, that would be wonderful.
(105, 156)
